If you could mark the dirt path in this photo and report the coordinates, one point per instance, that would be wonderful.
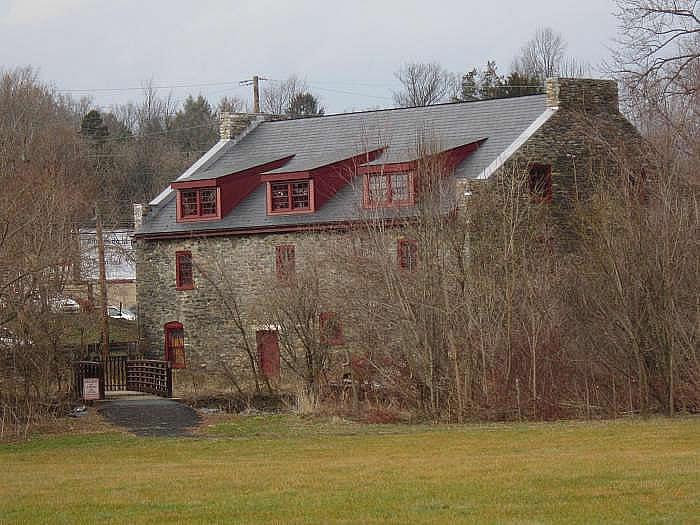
(150, 416)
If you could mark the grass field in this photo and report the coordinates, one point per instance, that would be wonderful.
(284, 469)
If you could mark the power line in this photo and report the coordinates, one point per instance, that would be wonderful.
(140, 88)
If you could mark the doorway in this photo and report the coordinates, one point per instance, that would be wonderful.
(268, 353)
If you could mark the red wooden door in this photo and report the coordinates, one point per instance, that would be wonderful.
(268, 353)
(175, 344)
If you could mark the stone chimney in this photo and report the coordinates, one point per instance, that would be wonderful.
(582, 94)
(231, 125)
(140, 211)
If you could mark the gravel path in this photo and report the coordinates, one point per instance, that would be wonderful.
(150, 416)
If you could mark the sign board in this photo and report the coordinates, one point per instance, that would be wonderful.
(91, 388)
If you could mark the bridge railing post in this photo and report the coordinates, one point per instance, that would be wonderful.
(169, 378)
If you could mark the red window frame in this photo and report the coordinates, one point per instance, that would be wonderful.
(289, 187)
(389, 199)
(205, 203)
(407, 254)
(539, 182)
(331, 329)
(285, 261)
(184, 270)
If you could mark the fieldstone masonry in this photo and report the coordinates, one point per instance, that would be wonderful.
(577, 138)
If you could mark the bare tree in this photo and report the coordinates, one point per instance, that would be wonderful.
(658, 62)
(231, 105)
(424, 84)
(278, 95)
(221, 280)
(543, 55)
(659, 46)
(46, 190)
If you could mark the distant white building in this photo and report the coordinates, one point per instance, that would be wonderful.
(119, 255)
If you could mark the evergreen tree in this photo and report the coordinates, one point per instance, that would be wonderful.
(470, 87)
(487, 84)
(194, 126)
(93, 127)
(520, 84)
(304, 105)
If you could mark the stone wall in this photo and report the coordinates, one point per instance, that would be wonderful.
(583, 137)
(586, 137)
(228, 268)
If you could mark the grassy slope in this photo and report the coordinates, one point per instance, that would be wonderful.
(86, 326)
(287, 470)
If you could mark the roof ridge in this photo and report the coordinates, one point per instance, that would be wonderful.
(420, 108)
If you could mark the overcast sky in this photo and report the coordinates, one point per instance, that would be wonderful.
(347, 51)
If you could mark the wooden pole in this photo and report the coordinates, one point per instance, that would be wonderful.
(256, 94)
(103, 283)
(256, 90)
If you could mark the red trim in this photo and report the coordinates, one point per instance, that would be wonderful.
(267, 345)
(179, 217)
(338, 337)
(285, 261)
(169, 353)
(179, 285)
(390, 203)
(456, 155)
(387, 168)
(330, 178)
(193, 185)
(406, 249)
(312, 200)
(541, 189)
(453, 156)
(323, 226)
(280, 177)
(217, 181)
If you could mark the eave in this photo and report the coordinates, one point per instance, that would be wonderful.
(452, 157)
(291, 228)
(223, 179)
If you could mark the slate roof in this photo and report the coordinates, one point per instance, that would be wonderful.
(318, 141)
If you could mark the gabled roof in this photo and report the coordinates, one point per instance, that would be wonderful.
(320, 141)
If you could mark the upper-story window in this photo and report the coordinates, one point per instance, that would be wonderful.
(540, 182)
(285, 265)
(198, 203)
(389, 189)
(407, 256)
(331, 329)
(184, 276)
(289, 196)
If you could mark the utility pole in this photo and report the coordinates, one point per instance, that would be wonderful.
(255, 81)
(102, 282)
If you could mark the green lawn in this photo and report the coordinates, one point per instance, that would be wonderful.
(283, 469)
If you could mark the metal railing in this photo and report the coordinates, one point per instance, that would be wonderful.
(146, 375)
(121, 373)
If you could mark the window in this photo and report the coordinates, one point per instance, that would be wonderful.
(361, 249)
(289, 196)
(407, 254)
(540, 182)
(389, 189)
(183, 271)
(284, 261)
(198, 203)
(331, 329)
